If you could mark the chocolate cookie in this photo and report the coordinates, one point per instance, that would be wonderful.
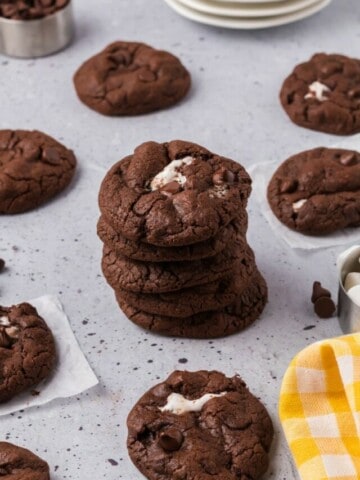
(173, 194)
(193, 300)
(145, 252)
(27, 350)
(200, 425)
(17, 463)
(30, 9)
(130, 78)
(142, 277)
(33, 168)
(317, 191)
(213, 324)
(324, 94)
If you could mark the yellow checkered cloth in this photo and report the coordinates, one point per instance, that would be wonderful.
(319, 409)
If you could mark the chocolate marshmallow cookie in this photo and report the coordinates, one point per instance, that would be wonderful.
(30, 9)
(210, 324)
(145, 252)
(123, 273)
(27, 350)
(130, 78)
(324, 94)
(33, 168)
(317, 191)
(200, 425)
(173, 194)
(17, 463)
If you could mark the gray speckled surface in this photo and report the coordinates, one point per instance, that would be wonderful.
(234, 110)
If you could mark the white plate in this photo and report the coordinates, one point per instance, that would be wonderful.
(233, 9)
(246, 23)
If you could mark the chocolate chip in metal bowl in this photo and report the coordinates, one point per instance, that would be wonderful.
(317, 192)
(324, 94)
(35, 28)
(27, 350)
(129, 78)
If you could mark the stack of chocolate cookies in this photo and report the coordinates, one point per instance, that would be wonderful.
(173, 222)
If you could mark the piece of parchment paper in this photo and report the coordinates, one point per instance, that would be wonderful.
(72, 374)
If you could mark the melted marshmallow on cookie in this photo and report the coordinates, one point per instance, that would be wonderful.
(4, 321)
(317, 90)
(171, 174)
(178, 404)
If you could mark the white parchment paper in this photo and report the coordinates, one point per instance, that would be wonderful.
(72, 374)
(261, 174)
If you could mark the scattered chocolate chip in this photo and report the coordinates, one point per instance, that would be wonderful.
(324, 307)
(348, 159)
(319, 292)
(223, 176)
(171, 188)
(2, 265)
(309, 327)
(171, 440)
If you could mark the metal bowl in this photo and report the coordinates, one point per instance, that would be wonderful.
(348, 311)
(37, 38)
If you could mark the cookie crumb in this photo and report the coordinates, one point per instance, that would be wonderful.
(113, 462)
(2, 265)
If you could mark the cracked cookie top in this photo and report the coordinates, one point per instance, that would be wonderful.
(27, 350)
(129, 78)
(324, 94)
(317, 191)
(33, 168)
(17, 463)
(173, 194)
(199, 425)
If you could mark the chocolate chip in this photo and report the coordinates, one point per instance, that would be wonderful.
(2, 265)
(319, 292)
(5, 341)
(51, 155)
(324, 307)
(354, 92)
(12, 332)
(171, 440)
(223, 176)
(348, 159)
(288, 186)
(147, 76)
(171, 188)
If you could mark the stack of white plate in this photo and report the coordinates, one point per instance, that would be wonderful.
(248, 14)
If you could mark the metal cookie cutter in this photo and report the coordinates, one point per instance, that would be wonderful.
(348, 310)
(37, 38)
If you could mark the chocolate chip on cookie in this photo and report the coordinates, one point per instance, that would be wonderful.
(30, 9)
(317, 191)
(324, 94)
(27, 350)
(33, 168)
(200, 425)
(129, 78)
(132, 199)
(18, 463)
